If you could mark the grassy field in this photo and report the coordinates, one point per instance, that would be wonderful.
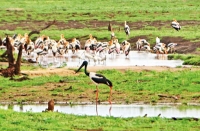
(189, 59)
(145, 13)
(57, 121)
(128, 87)
(146, 18)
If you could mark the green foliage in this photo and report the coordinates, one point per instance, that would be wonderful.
(145, 85)
(6, 83)
(132, 11)
(133, 84)
(188, 59)
(57, 121)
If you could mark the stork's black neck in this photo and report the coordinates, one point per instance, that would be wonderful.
(87, 73)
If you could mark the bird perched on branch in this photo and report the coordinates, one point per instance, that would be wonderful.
(175, 25)
(126, 29)
(97, 79)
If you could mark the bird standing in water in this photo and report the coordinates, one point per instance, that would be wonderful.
(97, 79)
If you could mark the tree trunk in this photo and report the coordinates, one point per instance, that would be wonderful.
(10, 53)
(18, 63)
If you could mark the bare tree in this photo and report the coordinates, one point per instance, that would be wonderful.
(13, 69)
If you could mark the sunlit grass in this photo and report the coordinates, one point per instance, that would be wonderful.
(135, 85)
(59, 121)
(149, 83)
(188, 59)
(132, 11)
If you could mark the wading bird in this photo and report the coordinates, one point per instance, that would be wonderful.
(97, 79)
(175, 25)
(171, 47)
(126, 29)
(127, 48)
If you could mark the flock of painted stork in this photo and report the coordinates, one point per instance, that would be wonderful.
(93, 49)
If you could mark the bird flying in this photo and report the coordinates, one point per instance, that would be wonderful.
(97, 79)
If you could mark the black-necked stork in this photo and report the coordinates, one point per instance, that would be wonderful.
(97, 79)
(175, 25)
(126, 29)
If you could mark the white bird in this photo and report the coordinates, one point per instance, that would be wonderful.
(123, 45)
(75, 45)
(171, 47)
(127, 49)
(101, 46)
(40, 52)
(117, 45)
(147, 48)
(160, 48)
(30, 48)
(112, 35)
(140, 43)
(126, 29)
(111, 48)
(175, 25)
(157, 40)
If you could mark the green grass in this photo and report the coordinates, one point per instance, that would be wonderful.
(11, 120)
(136, 86)
(32, 82)
(105, 10)
(24, 63)
(189, 59)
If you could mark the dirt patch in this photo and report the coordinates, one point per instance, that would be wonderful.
(96, 24)
(71, 72)
(184, 46)
(50, 71)
(65, 91)
(45, 92)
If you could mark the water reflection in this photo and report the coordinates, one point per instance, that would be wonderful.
(116, 110)
(135, 59)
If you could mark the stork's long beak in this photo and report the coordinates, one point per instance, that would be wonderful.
(80, 68)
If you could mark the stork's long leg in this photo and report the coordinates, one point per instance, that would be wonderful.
(96, 99)
(110, 95)
(97, 93)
